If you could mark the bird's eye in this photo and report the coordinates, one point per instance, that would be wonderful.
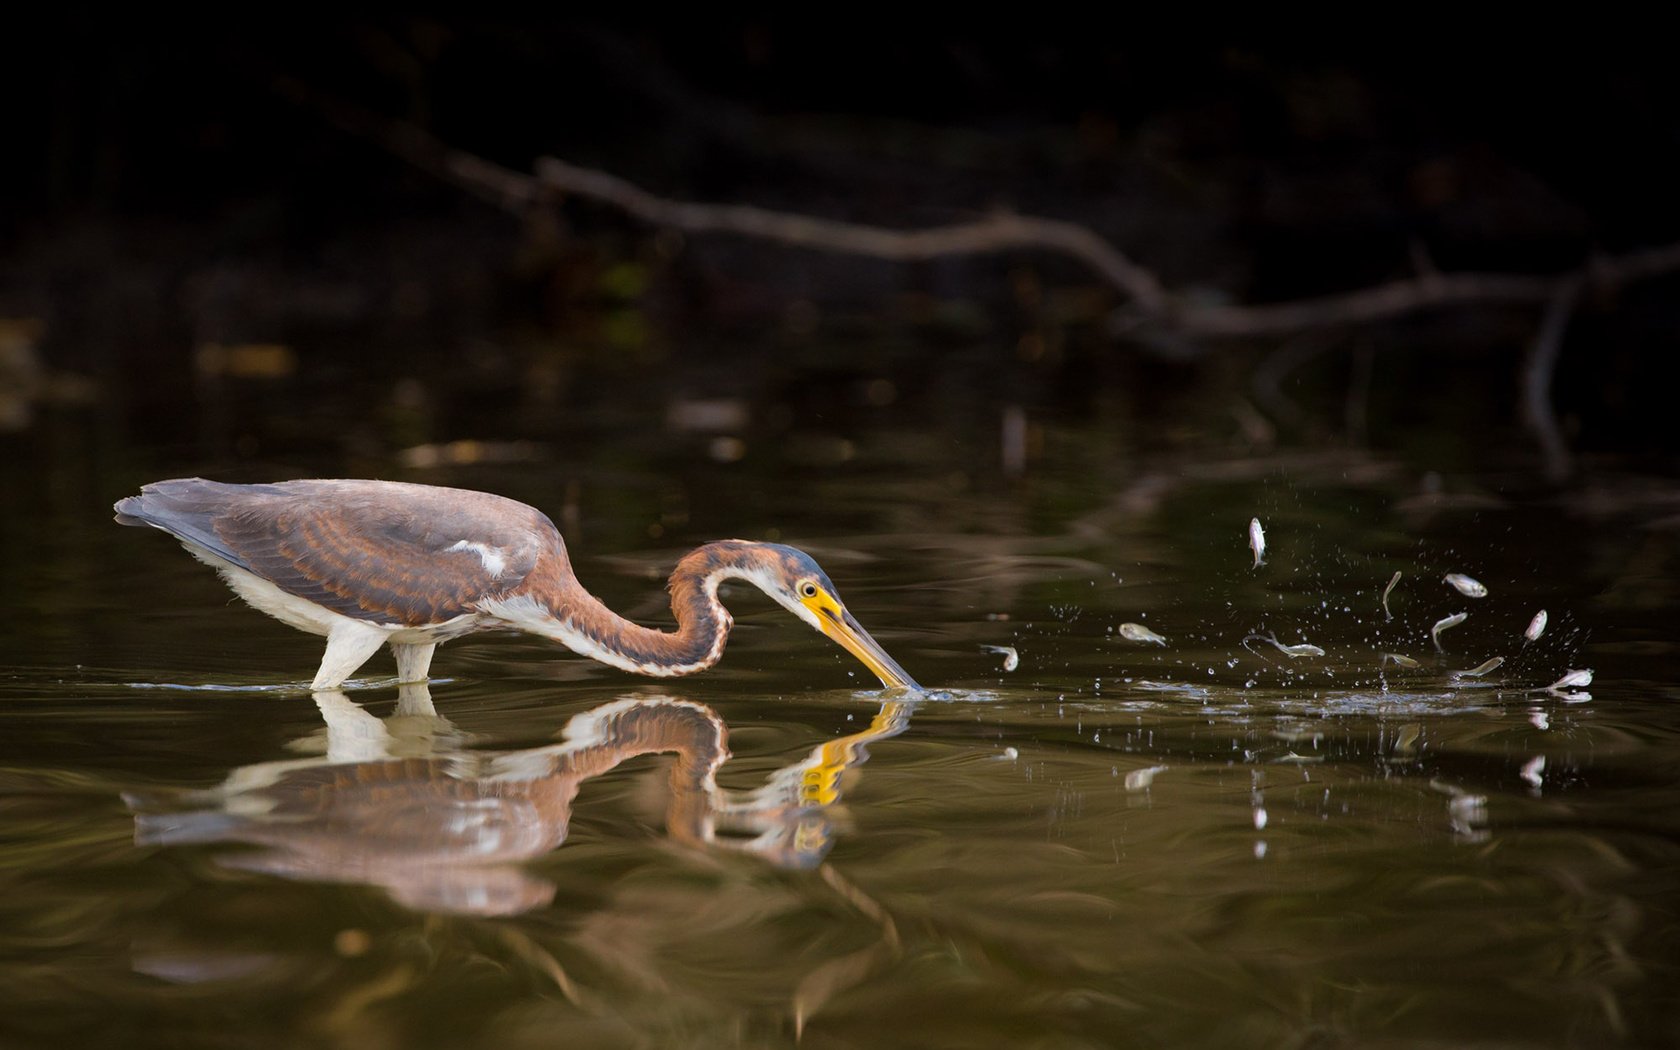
(808, 589)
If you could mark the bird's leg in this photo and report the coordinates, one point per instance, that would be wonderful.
(349, 644)
(413, 661)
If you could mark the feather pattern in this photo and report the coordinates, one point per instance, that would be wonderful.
(380, 552)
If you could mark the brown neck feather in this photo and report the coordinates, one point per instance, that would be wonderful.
(702, 622)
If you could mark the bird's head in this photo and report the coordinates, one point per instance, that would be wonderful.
(798, 584)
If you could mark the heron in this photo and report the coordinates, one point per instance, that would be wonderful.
(374, 563)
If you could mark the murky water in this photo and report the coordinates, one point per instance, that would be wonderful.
(1207, 842)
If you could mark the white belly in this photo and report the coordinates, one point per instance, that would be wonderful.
(305, 615)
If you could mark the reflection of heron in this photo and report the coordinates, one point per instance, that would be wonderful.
(446, 831)
(370, 563)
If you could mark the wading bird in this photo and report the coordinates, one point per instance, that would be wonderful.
(371, 563)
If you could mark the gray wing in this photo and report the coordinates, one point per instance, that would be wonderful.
(379, 551)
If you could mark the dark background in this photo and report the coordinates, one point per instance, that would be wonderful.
(162, 197)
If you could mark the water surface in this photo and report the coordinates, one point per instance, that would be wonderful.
(1203, 843)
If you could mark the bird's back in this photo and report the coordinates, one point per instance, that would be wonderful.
(379, 551)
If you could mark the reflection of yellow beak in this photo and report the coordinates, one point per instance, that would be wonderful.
(839, 625)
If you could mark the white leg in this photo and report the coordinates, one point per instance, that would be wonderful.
(413, 661)
(348, 647)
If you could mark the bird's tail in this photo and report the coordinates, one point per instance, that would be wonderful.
(187, 509)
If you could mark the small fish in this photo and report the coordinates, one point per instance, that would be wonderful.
(1392, 580)
(1571, 680)
(1011, 658)
(1257, 542)
(1400, 661)
(1469, 809)
(1140, 779)
(1137, 632)
(1445, 622)
(1468, 586)
(1296, 734)
(1536, 627)
(1481, 669)
(1534, 771)
(1304, 649)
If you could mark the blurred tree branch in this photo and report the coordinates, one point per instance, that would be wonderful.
(1150, 305)
(1149, 301)
(1000, 232)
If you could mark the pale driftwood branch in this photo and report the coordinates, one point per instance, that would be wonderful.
(502, 187)
(1150, 302)
(1379, 303)
(1536, 378)
(1000, 232)
(518, 191)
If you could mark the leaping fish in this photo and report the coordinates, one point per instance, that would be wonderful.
(1481, 669)
(1392, 580)
(1571, 680)
(1468, 586)
(1137, 632)
(1445, 622)
(1303, 649)
(1011, 658)
(1257, 542)
(1536, 627)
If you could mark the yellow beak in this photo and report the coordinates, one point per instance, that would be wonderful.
(840, 625)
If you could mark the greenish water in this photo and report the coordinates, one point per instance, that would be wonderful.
(1114, 844)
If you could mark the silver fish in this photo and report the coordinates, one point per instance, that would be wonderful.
(1300, 760)
(1468, 586)
(1481, 669)
(1137, 632)
(1140, 779)
(1571, 680)
(1536, 626)
(1304, 649)
(1257, 542)
(1392, 580)
(1011, 658)
(1445, 622)
(1400, 661)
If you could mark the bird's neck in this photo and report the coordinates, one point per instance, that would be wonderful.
(570, 615)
